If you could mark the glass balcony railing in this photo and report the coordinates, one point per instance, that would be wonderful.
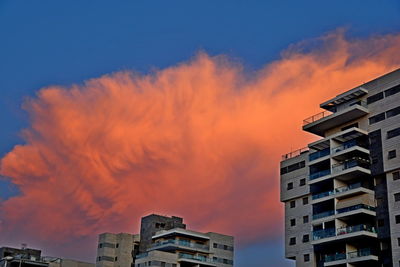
(357, 162)
(355, 207)
(350, 255)
(345, 146)
(355, 228)
(180, 243)
(320, 234)
(319, 154)
(194, 257)
(323, 214)
(335, 191)
(319, 174)
(142, 255)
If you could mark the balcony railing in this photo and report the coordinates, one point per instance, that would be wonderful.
(323, 214)
(180, 243)
(337, 190)
(320, 234)
(193, 257)
(343, 210)
(142, 255)
(319, 154)
(350, 255)
(295, 153)
(320, 174)
(350, 164)
(316, 117)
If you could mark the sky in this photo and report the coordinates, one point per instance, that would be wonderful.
(112, 110)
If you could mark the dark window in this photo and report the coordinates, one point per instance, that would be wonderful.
(306, 257)
(398, 241)
(393, 112)
(292, 204)
(377, 118)
(393, 133)
(391, 154)
(292, 241)
(306, 238)
(302, 182)
(392, 91)
(396, 175)
(292, 222)
(117, 245)
(116, 258)
(305, 219)
(289, 186)
(397, 218)
(375, 98)
(381, 222)
(397, 197)
(305, 200)
(215, 245)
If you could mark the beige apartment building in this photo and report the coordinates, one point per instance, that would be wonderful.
(165, 241)
(342, 192)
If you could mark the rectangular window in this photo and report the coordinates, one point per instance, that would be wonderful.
(292, 241)
(305, 200)
(375, 98)
(391, 154)
(397, 219)
(396, 175)
(305, 219)
(397, 197)
(381, 223)
(377, 118)
(392, 91)
(393, 112)
(306, 238)
(306, 257)
(289, 186)
(292, 222)
(393, 133)
(302, 182)
(292, 204)
(398, 241)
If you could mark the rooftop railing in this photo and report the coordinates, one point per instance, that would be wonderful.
(316, 117)
(295, 153)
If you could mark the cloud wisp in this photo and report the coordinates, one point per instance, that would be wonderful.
(201, 140)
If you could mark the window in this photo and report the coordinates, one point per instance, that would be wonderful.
(292, 222)
(117, 245)
(306, 257)
(381, 223)
(398, 241)
(397, 197)
(377, 118)
(397, 219)
(392, 91)
(289, 186)
(292, 204)
(292, 241)
(391, 154)
(305, 219)
(116, 258)
(305, 200)
(306, 238)
(215, 245)
(293, 167)
(393, 133)
(396, 175)
(393, 112)
(375, 98)
(302, 182)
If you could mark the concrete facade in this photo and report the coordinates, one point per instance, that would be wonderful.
(351, 179)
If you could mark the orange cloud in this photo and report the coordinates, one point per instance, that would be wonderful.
(201, 140)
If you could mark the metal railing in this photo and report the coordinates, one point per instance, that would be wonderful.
(320, 234)
(320, 174)
(324, 233)
(319, 154)
(193, 257)
(336, 190)
(180, 243)
(323, 214)
(142, 255)
(295, 153)
(350, 255)
(316, 117)
(343, 210)
(350, 164)
(346, 145)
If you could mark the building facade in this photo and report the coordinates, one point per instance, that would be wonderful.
(165, 241)
(342, 192)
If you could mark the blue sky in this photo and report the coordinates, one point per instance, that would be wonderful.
(51, 42)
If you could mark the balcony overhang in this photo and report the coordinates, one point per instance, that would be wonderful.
(180, 232)
(319, 127)
(345, 97)
(351, 173)
(351, 237)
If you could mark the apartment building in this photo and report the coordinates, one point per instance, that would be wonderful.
(342, 192)
(165, 241)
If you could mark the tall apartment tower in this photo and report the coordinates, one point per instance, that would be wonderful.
(342, 192)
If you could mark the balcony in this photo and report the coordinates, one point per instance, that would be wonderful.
(361, 256)
(173, 244)
(318, 124)
(351, 168)
(202, 260)
(350, 147)
(350, 232)
(360, 207)
(319, 174)
(318, 154)
(323, 214)
(341, 192)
